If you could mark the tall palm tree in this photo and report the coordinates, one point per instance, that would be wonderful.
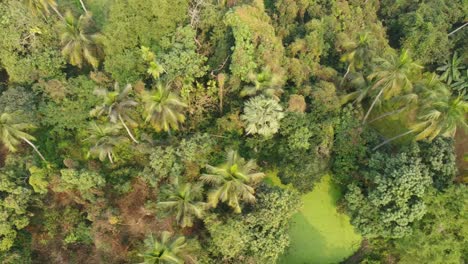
(42, 6)
(163, 108)
(358, 54)
(79, 44)
(104, 139)
(441, 114)
(392, 77)
(184, 200)
(12, 133)
(116, 106)
(167, 250)
(233, 181)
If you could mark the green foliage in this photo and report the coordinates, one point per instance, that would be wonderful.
(28, 44)
(184, 201)
(104, 140)
(15, 199)
(71, 112)
(39, 179)
(178, 55)
(163, 108)
(392, 200)
(163, 164)
(439, 157)
(166, 250)
(441, 236)
(259, 236)
(84, 181)
(132, 24)
(12, 132)
(349, 147)
(256, 45)
(262, 116)
(233, 182)
(79, 45)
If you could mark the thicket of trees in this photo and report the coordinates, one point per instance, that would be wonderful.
(141, 131)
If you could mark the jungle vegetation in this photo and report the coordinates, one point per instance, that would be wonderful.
(137, 131)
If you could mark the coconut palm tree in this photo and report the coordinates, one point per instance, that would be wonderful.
(167, 250)
(392, 77)
(163, 108)
(79, 44)
(116, 106)
(184, 201)
(358, 54)
(12, 133)
(441, 114)
(232, 181)
(104, 139)
(42, 6)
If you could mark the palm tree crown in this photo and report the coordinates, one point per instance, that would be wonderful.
(12, 133)
(184, 200)
(233, 181)
(104, 139)
(163, 108)
(167, 250)
(441, 117)
(78, 43)
(116, 106)
(392, 77)
(43, 6)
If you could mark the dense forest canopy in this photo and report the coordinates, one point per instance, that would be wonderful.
(190, 131)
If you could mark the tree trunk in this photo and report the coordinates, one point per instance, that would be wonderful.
(458, 29)
(34, 147)
(372, 105)
(109, 155)
(391, 139)
(387, 114)
(346, 74)
(84, 7)
(128, 130)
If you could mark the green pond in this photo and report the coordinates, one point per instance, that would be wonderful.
(319, 233)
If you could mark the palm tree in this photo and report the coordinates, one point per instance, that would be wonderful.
(452, 70)
(116, 106)
(358, 55)
(104, 139)
(392, 77)
(39, 6)
(167, 250)
(265, 82)
(163, 108)
(441, 114)
(183, 200)
(12, 133)
(232, 181)
(79, 44)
